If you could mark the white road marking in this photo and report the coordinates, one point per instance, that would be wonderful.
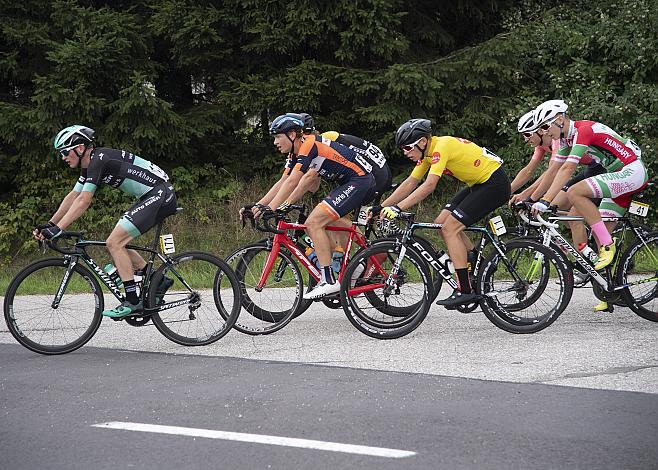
(258, 439)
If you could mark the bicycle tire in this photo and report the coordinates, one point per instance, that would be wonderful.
(543, 279)
(39, 276)
(260, 318)
(372, 320)
(209, 314)
(639, 261)
(310, 284)
(502, 297)
(437, 279)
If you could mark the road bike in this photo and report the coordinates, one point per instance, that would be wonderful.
(271, 271)
(633, 274)
(512, 281)
(55, 305)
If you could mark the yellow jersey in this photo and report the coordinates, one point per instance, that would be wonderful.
(466, 161)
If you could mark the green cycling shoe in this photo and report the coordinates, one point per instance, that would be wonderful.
(124, 309)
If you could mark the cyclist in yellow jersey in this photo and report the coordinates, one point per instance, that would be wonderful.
(488, 188)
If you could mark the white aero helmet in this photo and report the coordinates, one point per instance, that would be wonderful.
(549, 110)
(527, 122)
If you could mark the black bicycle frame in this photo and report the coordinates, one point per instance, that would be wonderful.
(440, 266)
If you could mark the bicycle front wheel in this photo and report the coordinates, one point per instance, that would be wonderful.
(528, 289)
(200, 304)
(270, 308)
(378, 300)
(639, 272)
(52, 308)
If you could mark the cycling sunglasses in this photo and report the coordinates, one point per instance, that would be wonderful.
(546, 126)
(409, 147)
(527, 135)
(65, 152)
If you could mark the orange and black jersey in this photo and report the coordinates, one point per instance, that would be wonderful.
(333, 162)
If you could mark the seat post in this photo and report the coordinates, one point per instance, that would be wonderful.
(158, 231)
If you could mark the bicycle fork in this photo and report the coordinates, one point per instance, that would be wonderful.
(64, 284)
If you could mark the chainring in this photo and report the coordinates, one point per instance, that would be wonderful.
(137, 321)
(332, 301)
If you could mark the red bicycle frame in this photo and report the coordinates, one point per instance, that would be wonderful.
(282, 238)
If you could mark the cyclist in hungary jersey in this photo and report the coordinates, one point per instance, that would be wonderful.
(320, 158)
(488, 188)
(626, 173)
(118, 169)
(543, 145)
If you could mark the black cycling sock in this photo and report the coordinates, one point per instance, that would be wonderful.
(131, 291)
(140, 272)
(328, 275)
(464, 283)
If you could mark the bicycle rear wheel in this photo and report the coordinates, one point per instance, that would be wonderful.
(527, 290)
(367, 298)
(43, 326)
(271, 308)
(203, 302)
(639, 271)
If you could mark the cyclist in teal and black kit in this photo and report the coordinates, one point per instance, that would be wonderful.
(128, 172)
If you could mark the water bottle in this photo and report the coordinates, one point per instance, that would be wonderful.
(588, 253)
(312, 256)
(138, 281)
(113, 274)
(445, 260)
(337, 259)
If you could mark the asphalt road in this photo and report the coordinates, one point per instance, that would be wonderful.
(457, 393)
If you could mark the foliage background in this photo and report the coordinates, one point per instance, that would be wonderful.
(192, 86)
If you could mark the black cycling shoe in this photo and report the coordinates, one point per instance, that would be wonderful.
(163, 287)
(457, 298)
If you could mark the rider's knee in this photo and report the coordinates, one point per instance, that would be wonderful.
(114, 243)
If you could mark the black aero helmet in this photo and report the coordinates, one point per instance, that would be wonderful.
(72, 136)
(412, 130)
(287, 122)
(309, 122)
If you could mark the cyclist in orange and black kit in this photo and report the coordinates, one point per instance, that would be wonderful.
(368, 150)
(314, 158)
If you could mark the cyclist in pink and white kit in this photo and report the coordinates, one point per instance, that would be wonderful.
(621, 157)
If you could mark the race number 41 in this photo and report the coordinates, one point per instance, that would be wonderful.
(639, 208)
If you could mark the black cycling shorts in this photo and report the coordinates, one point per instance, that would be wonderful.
(152, 208)
(472, 203)
(358, 190)
(383, 179)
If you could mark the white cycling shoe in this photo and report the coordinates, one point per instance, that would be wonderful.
(321, 290)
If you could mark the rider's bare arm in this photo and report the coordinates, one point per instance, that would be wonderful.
(420, 193)
(525, 174)
(402, 191)
(78, 207)
(309, 182)
(265, 200)
(64, 206)
(547, 179)
(564, 173)
(286, 189)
